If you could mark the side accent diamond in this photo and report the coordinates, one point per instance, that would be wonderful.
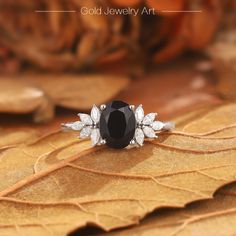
(85, 132)
(95, 114)
(149, 132)
(157, 125)
(95, 137)
(139, 114)
(78, 125)
(139, 136)
(85, 118)
(149, 118)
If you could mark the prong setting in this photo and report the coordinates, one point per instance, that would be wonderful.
(132, 142)
(103, 107)
(103, 142)
(132, 107)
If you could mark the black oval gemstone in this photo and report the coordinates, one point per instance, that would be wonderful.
(117, 124)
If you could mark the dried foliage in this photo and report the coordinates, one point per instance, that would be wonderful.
(223, 54)
(212, 217)
(41, 93)
(171, 90)
(60, 184)
(10, 139)
(72, 41)
(174, 89)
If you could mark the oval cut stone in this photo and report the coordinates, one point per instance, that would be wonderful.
(117, 124)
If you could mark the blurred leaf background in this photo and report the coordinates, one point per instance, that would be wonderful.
(72, 41)
(183, 44)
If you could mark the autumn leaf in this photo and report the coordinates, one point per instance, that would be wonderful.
(9, 138)
(211, 217)
(223, 55)
(167, 7)
(39, 94)
(122, 3)
(59, 184)
(178, 90)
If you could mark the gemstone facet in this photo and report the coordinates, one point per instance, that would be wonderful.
(95, 136)
(86, 119)
(117, 124)
(95, 114)
(139, 114)
(139, 136)
(149, 118)
(85, 132)
(149, 132)
(157, 125)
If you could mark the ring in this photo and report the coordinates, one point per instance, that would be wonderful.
(118, 125)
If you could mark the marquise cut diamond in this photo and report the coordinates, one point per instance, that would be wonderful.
(139, 114)
(149, 118)
(85, 132)
(157, 125)
(139, 136)
(86, 119)
(78, 125)
(95, 114)
(95, 136)
(149, 132)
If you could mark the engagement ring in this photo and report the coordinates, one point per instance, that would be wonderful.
(118, 125)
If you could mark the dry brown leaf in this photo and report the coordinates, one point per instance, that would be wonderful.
(40, 93)
(126, 3)
(210, 217)
(59, 184)
(223, 54)
(174, 48)
(9, 138)
(178, 89)
(61, 42)
(210, 124)
(190, 31)
(201, 27)
(167, 7)
(74, 41)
